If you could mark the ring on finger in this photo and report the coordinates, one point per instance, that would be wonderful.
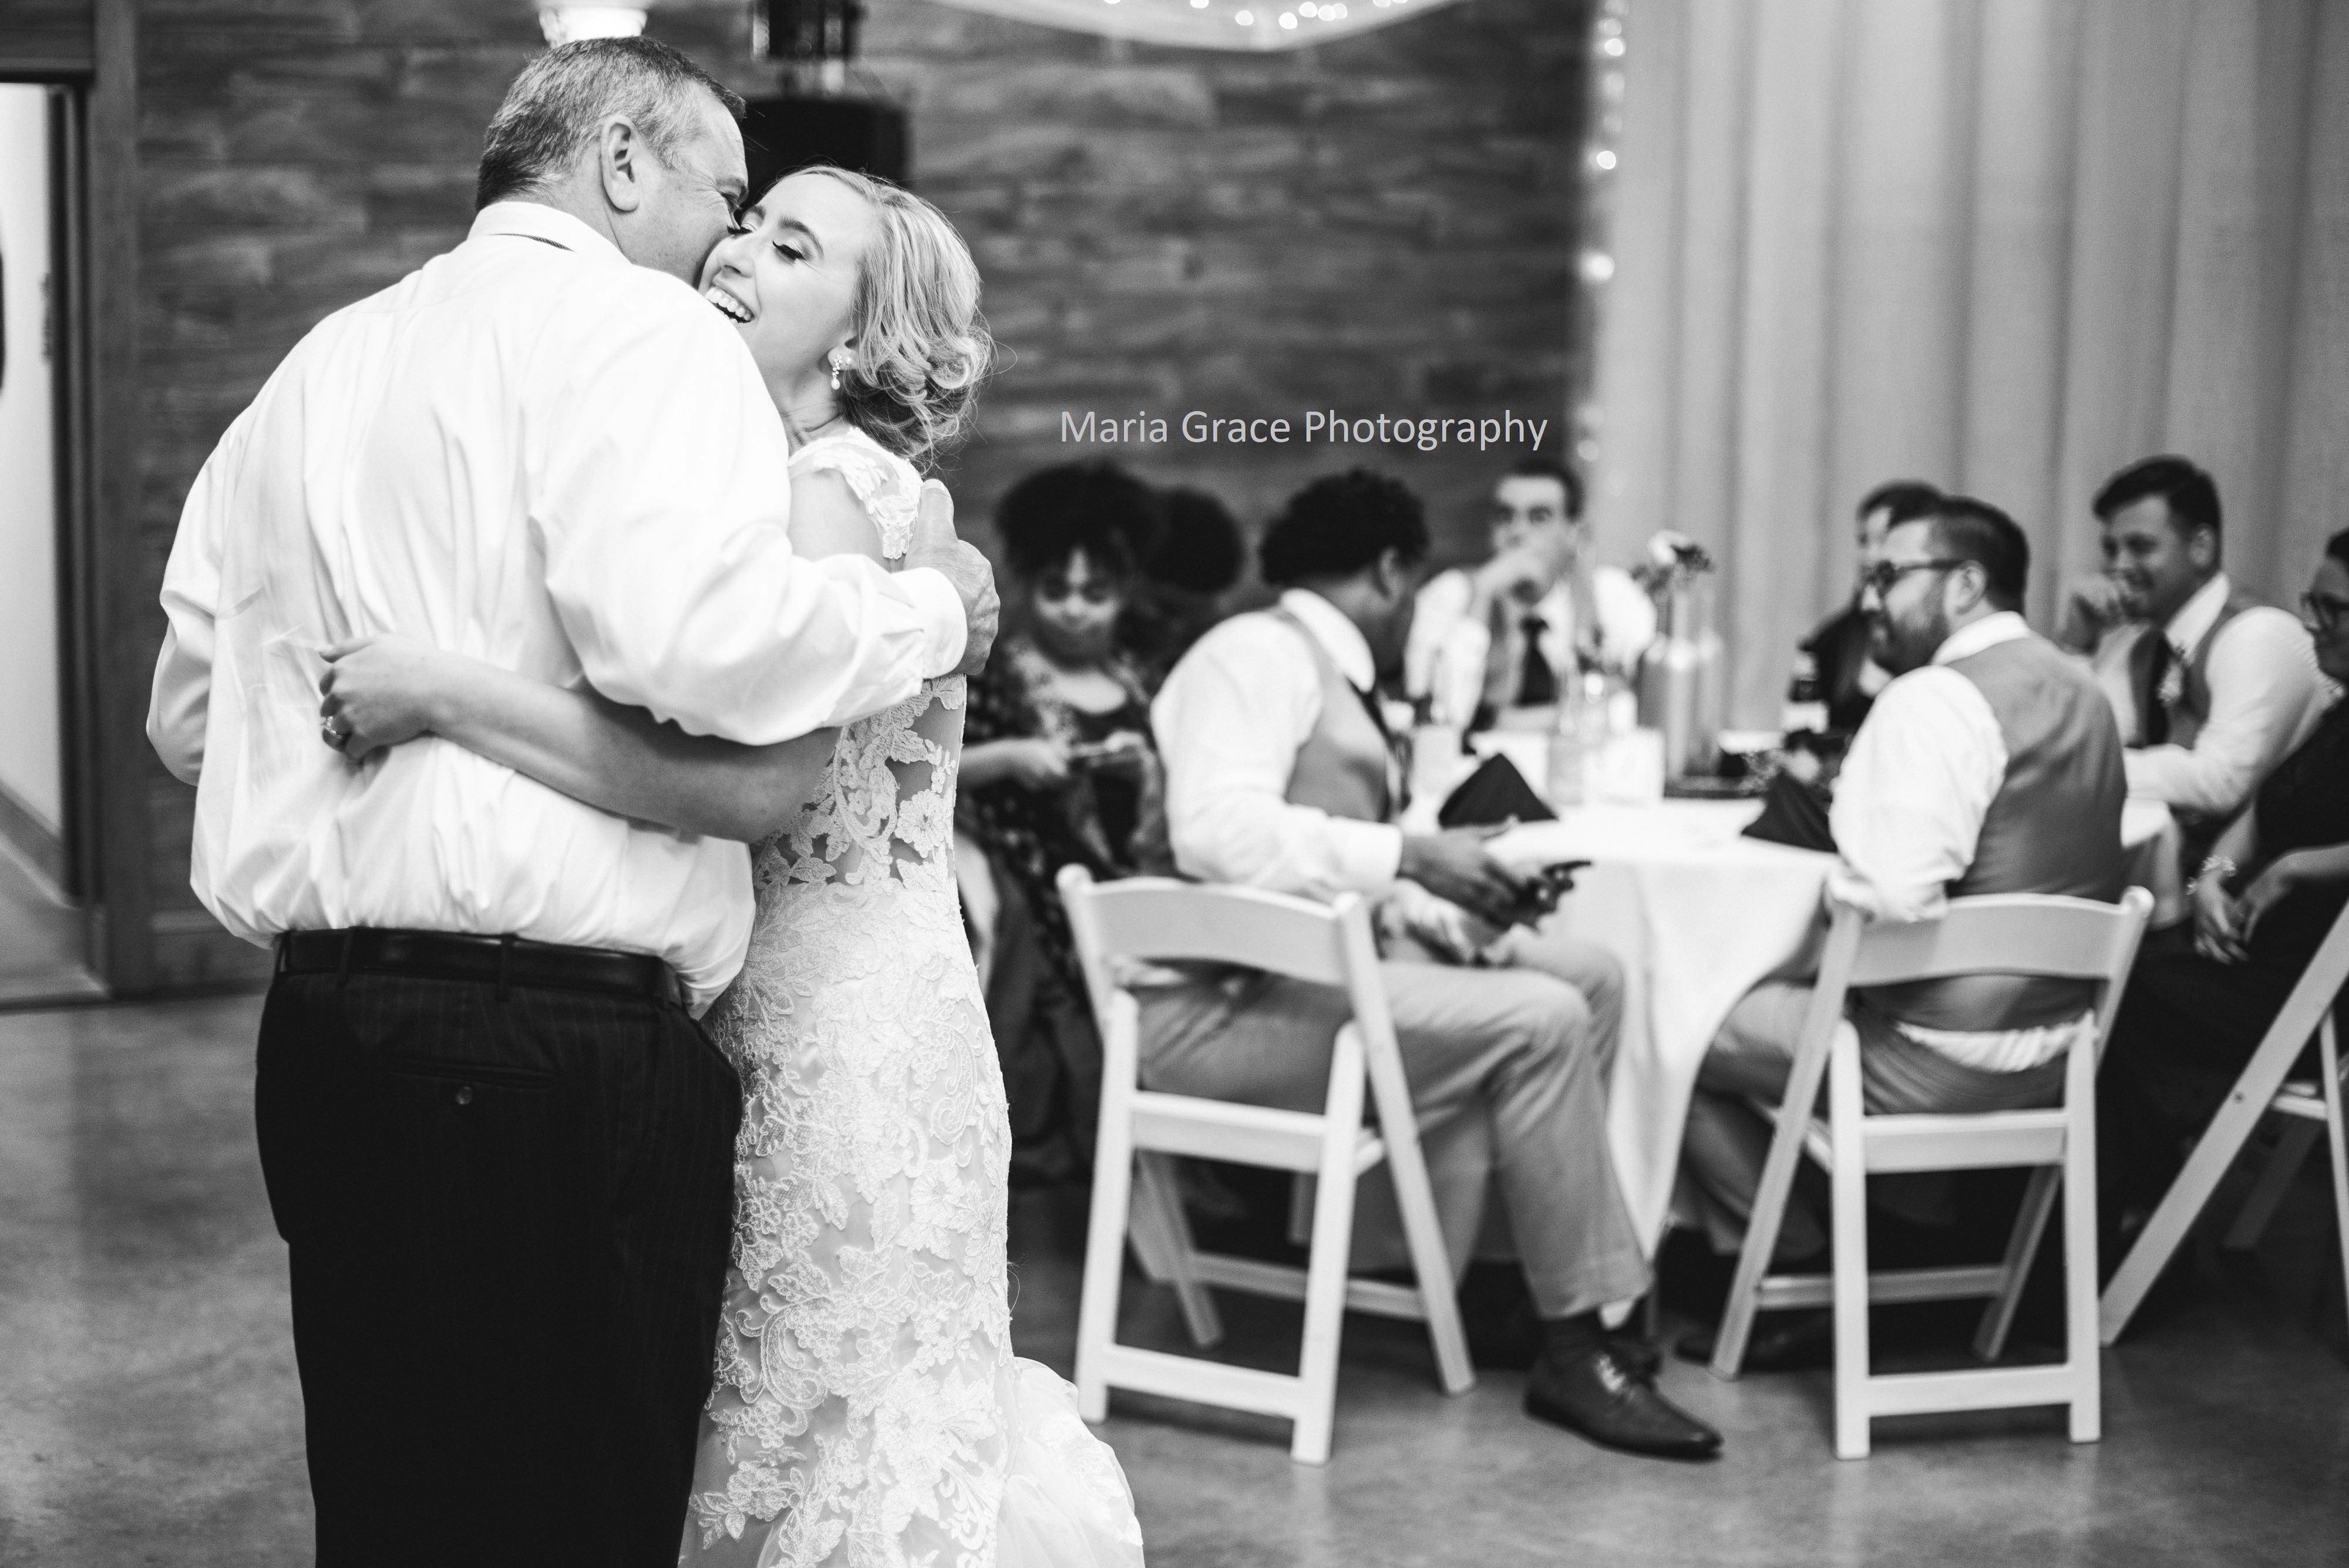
(334, 732)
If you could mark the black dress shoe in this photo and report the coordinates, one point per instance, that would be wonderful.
(1800, 1341)
(1610, 1403)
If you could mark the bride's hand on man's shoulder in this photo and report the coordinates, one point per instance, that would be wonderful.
(378, 691)
(936, 545)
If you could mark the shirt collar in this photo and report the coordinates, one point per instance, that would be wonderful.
(1988, 632)
(1556, 608)
(2196, 617)
(1340, 639)
(533, 220)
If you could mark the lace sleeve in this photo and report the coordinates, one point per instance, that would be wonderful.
(884, 485)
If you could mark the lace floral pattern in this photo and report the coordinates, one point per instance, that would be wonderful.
(886, 486)
(860, 1415)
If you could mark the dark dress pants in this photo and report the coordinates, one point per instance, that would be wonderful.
(2187, 1027)
(508, 1217)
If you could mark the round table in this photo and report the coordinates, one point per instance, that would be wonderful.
(1699, 915)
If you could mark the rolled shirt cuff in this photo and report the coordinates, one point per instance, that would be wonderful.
(941, 608)
(1369, 854)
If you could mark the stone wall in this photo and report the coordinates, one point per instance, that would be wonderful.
(46, 37)
(1382, 225)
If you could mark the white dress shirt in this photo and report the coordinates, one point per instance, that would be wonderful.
(2266, 695)
(1229, 721)
(1909, 810)
(532, 452)
(1448, 649)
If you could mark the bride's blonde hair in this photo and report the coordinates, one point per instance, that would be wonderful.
(922, 347)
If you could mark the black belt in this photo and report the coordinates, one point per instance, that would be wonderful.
(497, 961)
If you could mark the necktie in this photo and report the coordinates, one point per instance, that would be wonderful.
(1537, 684)
(2152, 713)
(1398, 776)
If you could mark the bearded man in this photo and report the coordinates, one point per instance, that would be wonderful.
(1991, 764)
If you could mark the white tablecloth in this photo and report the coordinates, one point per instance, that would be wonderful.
(1699, 915)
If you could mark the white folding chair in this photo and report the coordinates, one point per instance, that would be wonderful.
(2312, 1108)
(1147, 919)
(2072, 938)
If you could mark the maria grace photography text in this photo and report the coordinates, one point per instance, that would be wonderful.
(1328, 426)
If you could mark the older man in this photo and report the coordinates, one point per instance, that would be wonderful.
(499, 1149)
(1279, 775)
(1990, 764)
(2213, 688)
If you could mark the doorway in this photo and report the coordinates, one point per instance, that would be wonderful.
(43, 930)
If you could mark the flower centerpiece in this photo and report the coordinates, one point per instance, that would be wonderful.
(1681, 686)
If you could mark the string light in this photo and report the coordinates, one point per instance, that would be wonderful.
(1596, 265)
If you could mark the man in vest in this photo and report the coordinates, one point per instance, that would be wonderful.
(1990, 764)
(2213, 688)
(1280, 774)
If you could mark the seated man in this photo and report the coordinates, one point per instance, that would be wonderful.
(1511, 632)
(1990, 764)
(1845, 679)
(1279, 775)
(2203, 994)
(2213, 688)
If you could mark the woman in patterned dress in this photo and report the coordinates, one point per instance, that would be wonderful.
(867, 1408)
(1059, 769)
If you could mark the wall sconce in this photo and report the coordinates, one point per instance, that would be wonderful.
(569, 24)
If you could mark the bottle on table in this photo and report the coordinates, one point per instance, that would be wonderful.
(1806, 705)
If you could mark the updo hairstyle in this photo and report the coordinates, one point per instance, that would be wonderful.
(921, 347)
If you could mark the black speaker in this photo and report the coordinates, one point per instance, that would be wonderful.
(780, 134)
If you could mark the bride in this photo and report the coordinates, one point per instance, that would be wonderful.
(867, 1408)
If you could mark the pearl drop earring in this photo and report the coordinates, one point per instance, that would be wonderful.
(839, 361)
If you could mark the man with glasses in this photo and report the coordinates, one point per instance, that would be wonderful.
(1847, 679)
(1991, 764)
(2212, 687)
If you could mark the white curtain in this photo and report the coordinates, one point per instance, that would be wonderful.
(2003, 245)
(1254, 25)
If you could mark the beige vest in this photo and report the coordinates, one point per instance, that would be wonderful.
(1344, 767)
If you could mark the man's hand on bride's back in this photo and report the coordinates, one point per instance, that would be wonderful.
(936, 546)
(381, 691)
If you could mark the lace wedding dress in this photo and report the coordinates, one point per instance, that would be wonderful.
(868, 1410)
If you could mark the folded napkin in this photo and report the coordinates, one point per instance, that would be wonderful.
(1792, 812)
(1495, 792)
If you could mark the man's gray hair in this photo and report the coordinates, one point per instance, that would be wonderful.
(561, 97)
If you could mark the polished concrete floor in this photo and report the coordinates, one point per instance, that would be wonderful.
(149, 1412)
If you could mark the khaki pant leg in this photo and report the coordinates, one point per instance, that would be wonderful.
(1514, 1043)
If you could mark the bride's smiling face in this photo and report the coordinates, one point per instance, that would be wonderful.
(786, 274)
